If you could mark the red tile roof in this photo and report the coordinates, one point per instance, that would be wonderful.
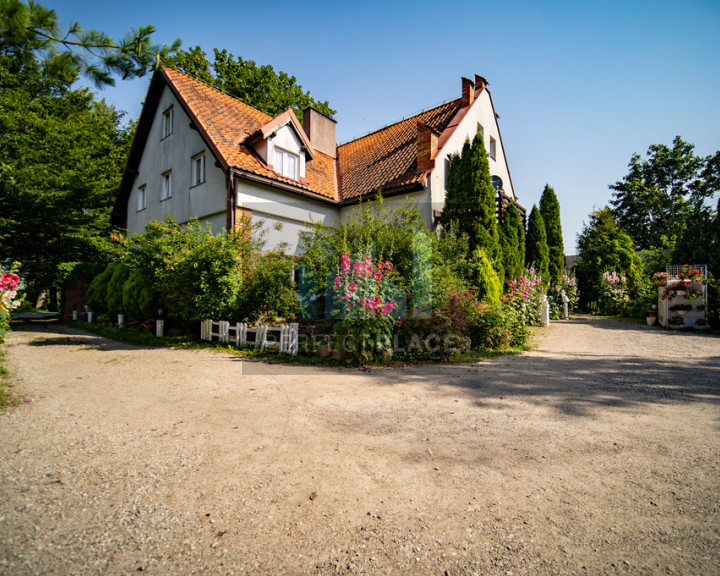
(387, 159)
(227, 122)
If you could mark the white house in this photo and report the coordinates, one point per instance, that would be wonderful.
(199, 153)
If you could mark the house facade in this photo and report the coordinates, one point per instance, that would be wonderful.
(199, 153)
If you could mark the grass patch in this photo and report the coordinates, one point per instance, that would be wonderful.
(6, 397)
(137, 335)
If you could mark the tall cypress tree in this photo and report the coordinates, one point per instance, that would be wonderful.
(537, 253)
(550, 210)
(470, 201)
(512, 243)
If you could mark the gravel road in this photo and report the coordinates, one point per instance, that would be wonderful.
(596, 453)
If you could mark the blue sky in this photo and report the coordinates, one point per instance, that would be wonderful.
(579, 86)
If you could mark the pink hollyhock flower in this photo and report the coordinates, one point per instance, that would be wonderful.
(353, 286)
(363, 302)
(512, 282)
(337, 281)
(389, 266)
(349, 294)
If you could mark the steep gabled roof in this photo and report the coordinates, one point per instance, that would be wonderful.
(225, 124)
(387, 158)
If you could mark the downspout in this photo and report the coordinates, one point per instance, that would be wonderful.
(230, 179)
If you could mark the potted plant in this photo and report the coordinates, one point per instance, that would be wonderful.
(651, 317)
(701, 324)
(676, 322)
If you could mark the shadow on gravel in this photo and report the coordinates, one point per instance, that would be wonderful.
(68, 336)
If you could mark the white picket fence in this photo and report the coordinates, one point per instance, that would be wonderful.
(222, 331)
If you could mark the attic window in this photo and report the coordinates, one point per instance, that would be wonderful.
(493, 147)
(142, 197)
(167, 122)
(286, 163)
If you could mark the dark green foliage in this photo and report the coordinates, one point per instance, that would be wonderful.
(604, 247)
(62, 156)
(98, 290)
(30, 33)
(550, 210)
(512, 243)
(140, 301)
(399, 235)
(114, 295)
(537, 253)
(660, 194)
(497, 327)
(470, 201)
(489, 286)
(269, 291)
(259, 86)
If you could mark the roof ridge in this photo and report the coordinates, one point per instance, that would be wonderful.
(235, 98)
(445, 103)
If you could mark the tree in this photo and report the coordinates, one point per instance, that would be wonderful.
(512, 243)
(30, 32)
(660, 194)
(470, 202)
(605, 247)
(537, 253)
(62, 155)
(550, 210)
(258, 86)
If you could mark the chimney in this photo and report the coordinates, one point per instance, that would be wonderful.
(427, 139)
(468, 92)
(480, 83)
(321, 131)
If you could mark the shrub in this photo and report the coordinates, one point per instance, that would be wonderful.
(614, 295)
(497, 327)
(269, 291)
(525, 296)
(98, 290)
(489, 286)
(8, 290)
(569, 286)
(365, 300)
(114, 294)
(140, 301)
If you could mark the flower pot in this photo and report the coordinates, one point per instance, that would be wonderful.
(651, 320)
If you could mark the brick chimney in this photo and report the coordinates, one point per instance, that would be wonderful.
(480, 84)
(427, 139)
(321, 131)
(468, 92)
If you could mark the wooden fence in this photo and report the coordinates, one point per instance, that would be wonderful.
(286, 341)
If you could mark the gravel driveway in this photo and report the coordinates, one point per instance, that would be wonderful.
(597, 453)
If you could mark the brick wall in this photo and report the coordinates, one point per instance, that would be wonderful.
(75, 294)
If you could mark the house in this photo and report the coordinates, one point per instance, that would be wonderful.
(199, 153)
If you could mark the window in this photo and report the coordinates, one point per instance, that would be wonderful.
(481, 130)
(141, 198)
(167, 122)
(493, 147)
(198, 169)
(286, 163)
(166, 191)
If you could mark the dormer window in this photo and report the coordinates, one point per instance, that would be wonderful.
(167, 122)
(286, 163)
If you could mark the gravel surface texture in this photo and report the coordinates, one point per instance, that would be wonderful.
(596, 453)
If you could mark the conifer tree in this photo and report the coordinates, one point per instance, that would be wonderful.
(550, 210)
(537, 253)
(512, 243)
(470, 201)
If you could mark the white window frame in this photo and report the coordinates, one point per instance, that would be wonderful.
(283, 166)
(493, 148)
(198, 169)
(142, 197)
(168, 118)
(166, 190)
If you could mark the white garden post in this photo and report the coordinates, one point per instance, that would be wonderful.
(565, 300)
(545, 312)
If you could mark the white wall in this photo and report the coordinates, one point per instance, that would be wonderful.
(205, 201)
(283, 214)
(421, 200)
(480, 112)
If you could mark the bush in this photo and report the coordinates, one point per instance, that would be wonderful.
(489, 286)
(525, 296)
(269, 290)
(497, 327)
(140, 301)
(114, 295)
(98, 290)
(569, 286)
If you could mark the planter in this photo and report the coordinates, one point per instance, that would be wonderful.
(676, 326)
(704, 327)
(651, 320)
